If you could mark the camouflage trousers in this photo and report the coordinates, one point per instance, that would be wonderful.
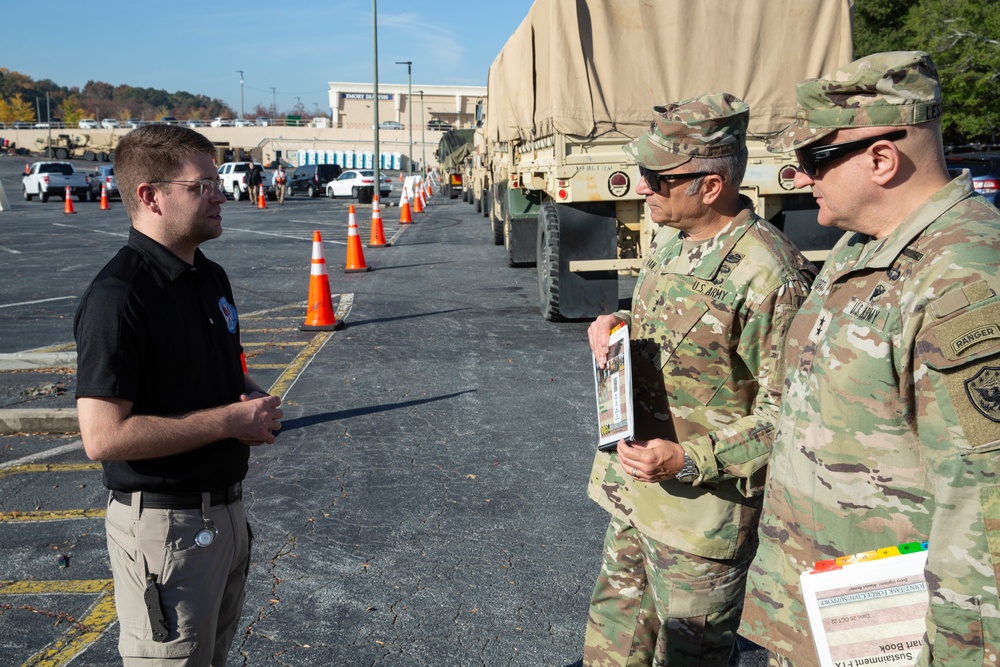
(656, 606)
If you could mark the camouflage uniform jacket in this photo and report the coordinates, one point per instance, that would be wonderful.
(707, 331)
(890, 427)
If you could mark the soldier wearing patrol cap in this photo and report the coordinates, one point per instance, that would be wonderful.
(709, 313)
(890, 422)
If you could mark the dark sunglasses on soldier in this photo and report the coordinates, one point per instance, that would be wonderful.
(654, 179)
(814, 157)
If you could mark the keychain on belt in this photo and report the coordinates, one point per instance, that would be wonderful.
(209, 532)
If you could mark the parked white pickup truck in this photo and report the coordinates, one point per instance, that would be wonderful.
(51, 178)
(233, 178)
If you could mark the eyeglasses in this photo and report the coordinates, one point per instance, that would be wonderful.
(814, 157)
(206, 186)
(654, 179)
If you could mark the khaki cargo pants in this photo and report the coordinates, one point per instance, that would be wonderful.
(201, 589)
(655, 606)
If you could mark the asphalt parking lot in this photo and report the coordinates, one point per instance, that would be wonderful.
(425, 503)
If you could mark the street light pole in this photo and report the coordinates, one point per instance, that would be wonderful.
(409, 103)
(423, 142)
(274, 98)
(241, 93)
(376, 165)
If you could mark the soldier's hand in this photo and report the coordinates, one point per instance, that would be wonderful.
(650, 461)
(598, 333)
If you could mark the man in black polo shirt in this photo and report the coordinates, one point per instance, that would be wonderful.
(166, 407)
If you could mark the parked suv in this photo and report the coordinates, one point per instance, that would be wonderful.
(985, 168)
(312, 178)
(104, 174)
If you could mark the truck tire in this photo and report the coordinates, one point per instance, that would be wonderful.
(479, 203)
(237, 193)
(548, 262)
(91, 195)
(354, 192)
(27, 195)
(48, 152)
(484, 197)
(61, 154)
(89, 156)
(111, 156)
(103, 157)
(43, 195)
(496, 224)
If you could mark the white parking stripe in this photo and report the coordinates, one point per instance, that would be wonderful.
(29, 303)
(10, 250)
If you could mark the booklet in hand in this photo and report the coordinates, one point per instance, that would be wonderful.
(614, 392)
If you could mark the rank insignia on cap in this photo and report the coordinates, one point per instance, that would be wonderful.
(983, 390)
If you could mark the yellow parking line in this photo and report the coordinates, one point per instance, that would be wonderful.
(49, 467)
(287, 379)
(56, 587)
(278, 343)
(40, 516)
(269, 329)
(265, 366)
(81, 634)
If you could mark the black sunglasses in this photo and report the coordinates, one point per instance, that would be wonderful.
(654, 179)
(814, 157)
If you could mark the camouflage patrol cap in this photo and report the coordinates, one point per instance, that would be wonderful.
(883, 89)
(709, 126)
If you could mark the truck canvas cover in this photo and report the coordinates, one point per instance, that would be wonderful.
(592, 67)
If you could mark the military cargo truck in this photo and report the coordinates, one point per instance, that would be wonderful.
(99, 148)
(578, 80)
(452, 150)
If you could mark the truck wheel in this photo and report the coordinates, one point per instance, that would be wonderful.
(61, 154)
(48, 152)
(89, 156)
(465, 196)
(237, 193)
(111, 156)
(91, 195)
(354, 192)
(496, 224)
(548, 262)
(27, 196)
(43, 194)
(479, 204)
(484, 197)
(103, 157)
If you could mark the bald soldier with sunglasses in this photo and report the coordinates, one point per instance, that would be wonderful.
(165, 405)
(709, 315)
(890, 420)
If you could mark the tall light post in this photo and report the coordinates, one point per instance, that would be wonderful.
(241, 93)
(378, 178)
(409, 104)
(274, 100)
(423, 142)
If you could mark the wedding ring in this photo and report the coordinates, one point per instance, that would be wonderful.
(634, 470)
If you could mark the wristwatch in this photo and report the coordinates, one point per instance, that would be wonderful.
(688, 472)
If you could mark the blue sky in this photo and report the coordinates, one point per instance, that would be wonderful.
(296, 47)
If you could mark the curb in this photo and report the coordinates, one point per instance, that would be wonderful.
(51, 420)
(26, 361)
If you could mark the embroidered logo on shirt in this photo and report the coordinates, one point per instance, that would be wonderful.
(983, 390)
(229, 312)
(982, 333)
(864, 311)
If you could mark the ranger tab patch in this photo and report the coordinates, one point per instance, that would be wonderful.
(977, 335)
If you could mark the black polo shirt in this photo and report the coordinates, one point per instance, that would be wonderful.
(161, 333)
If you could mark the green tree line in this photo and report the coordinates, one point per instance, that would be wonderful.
(24, 99)
(963, 37)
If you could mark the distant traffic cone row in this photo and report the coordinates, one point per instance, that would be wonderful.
(405, 217)
(355, 255)
(104, 198)
(319, 313)
(68, 199)
(378, 233)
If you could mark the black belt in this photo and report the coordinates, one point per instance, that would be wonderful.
(181, 501)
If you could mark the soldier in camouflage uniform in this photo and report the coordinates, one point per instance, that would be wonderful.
(709, 317)
(890, 421)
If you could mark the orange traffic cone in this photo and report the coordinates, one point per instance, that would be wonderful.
(404, 210)
(423, 197)
(418, 205)
(400, 173)
(378, 234)
(427, 188)
(355, 255)
(319, 316)
(68, 199)
(27, 170)
(104, 198)
(261, 199)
